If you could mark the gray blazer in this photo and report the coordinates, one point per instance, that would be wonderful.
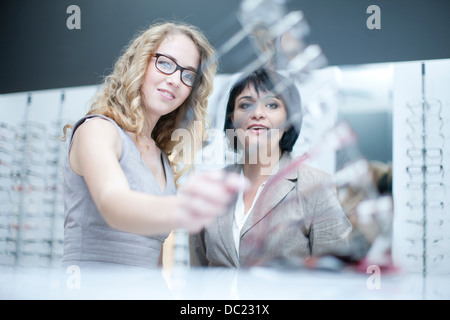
(295, 216)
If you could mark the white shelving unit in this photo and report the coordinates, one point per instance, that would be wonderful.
(421, 167)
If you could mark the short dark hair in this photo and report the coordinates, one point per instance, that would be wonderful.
(262, 80)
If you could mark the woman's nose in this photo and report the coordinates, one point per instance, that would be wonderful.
(174, 78)
(258, 111)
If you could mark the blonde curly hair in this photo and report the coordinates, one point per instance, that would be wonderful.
(119, 97)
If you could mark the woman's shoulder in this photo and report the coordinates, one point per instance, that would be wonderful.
(309, 175)
(94, 117)
(301, 169)
(96, 128)
(96, 122)
(306, 170)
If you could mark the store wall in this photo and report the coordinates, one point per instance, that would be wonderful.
(39, 52)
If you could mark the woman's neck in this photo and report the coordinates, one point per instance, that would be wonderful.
(150, 123)
(259, 172)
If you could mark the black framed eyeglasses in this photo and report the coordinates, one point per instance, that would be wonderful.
(167, 66)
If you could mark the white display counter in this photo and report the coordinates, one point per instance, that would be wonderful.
(220, 284)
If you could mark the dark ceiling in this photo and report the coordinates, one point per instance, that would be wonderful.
(38, 51)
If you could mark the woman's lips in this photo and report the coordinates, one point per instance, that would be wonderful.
(257, 129)
(166, 94)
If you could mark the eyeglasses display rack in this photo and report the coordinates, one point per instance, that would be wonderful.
(422, 220)
(31, 210)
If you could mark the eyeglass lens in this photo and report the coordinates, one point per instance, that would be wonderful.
(168, 66)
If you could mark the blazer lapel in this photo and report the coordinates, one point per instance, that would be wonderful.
(225, 224)
(275, 190)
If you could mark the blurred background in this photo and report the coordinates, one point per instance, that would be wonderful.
(48, 74)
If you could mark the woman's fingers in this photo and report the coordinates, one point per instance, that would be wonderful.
(215, 186)
(207, 195)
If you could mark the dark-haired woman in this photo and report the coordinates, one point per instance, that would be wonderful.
(285, 216)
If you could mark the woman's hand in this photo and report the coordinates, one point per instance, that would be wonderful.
(207, 195)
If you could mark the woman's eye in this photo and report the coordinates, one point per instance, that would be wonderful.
(165, 65)
(188, 76)
(245, 105)
(272, 105)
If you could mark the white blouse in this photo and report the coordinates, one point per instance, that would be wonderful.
(240, 217)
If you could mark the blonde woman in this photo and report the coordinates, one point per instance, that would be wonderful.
(120, 186)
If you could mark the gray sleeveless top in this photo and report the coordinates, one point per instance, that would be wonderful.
(88, 240)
